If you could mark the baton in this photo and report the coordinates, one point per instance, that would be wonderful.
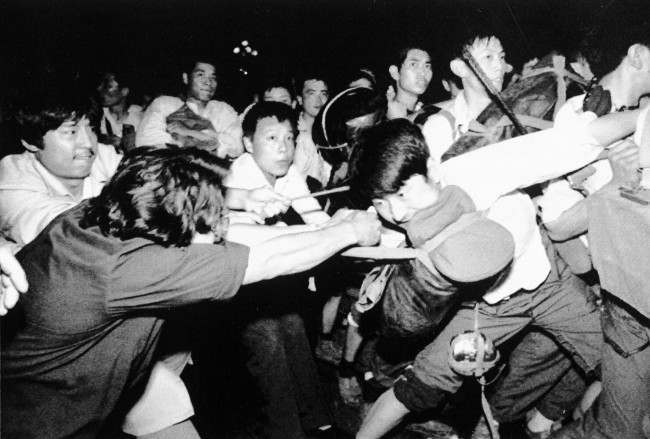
(322, 193)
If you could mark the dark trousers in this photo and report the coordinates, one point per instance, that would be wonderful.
(540, 374)
(625, 399)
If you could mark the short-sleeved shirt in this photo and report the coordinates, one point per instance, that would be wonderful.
(92, 318)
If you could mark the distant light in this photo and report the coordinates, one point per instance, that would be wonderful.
(236, 50)
(248, 49)
(244, 43)
(245, 72)
(254, 53)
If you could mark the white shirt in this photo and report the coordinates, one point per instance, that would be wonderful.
(31, 196)
(307, 159)
(133, 117)
(246, 174)
(489, 173)
(153, 128)
(438, 132)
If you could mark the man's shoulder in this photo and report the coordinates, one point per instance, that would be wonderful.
(19, 171)
(165, 102)
(222, 107)
(243, 173)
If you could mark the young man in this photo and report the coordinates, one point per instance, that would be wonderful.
(139, 250)
(538, 292)
(62, 166)
(269, 130)
(488, 52)
(116, 113)
(411, 73)
(219, 127)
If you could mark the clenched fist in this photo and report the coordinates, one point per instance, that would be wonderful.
(367, 227)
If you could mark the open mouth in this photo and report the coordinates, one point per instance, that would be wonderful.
(84, 155)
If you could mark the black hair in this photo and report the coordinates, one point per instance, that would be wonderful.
(363, 73)
(282, 112)
(190, 64)
(164, 195)
(311, 75)
(400, 56)
(384, 158)
(272, 82)
(46, 111)
(606, 44)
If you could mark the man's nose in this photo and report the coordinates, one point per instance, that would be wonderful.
(398, 211)
(84, 137)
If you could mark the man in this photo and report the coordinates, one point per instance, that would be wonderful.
(538, 292)
(116, 113)
(411, 74)
(441, 130)
(62, 166)
(273, 330)
(210, 122)
(79, 356)
(269, 130)
(314, 94)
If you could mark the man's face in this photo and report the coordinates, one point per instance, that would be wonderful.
(202, 82)
(491, 57)
(415, 194)
(314, 95)
(278, 94)
(272, 146)
(69, 151)
(415, 72)
(110, 92)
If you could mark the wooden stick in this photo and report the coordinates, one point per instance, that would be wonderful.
(322, 193)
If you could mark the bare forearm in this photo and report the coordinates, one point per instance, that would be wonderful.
(298, 252)
(613, 127)
(572, 222)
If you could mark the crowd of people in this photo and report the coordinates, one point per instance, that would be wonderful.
(135, 235)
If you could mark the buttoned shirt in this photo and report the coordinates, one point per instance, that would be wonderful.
(245, 173)
(31, 196)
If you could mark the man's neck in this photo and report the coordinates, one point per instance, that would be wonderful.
(119, 110)
(409, 100)
(75, 187)
(199, 103)
(307, 120)
(620, 88)
(476, 101)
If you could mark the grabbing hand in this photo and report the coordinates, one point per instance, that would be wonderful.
(12, 280)
(366, 225)
(266, 202)
(624, 160)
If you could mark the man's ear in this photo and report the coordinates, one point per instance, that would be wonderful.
(299, 100)
(248, 144)
(393, 71)
(125, 91)
(458, 67)
(185, 79)
(294, 103)
(635, 56)
(29, 147)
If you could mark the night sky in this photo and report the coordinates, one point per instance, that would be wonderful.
(43, 41)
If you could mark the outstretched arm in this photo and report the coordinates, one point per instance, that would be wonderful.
(12, 278)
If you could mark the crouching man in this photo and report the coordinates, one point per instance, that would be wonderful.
(103, 274)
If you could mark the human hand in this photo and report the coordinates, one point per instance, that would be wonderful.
(366, 225)
(598, 101)
(12, 280)
(265, 202)
(395, 109)
(624, 160)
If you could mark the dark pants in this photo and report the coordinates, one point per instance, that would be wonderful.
(540, 374)
(560, 306)
(625, 399)
(279, 358)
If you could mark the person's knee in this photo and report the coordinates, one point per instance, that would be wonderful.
(415, 394)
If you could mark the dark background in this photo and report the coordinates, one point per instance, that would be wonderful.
(46, 42)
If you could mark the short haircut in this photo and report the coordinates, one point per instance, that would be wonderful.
(270, 83)
(604, 48)
(282, 112)
(43, 112)
(467, 41)
(163, 195)
(399, 57)
(385, 157)
(309, 76)
(190, 64)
